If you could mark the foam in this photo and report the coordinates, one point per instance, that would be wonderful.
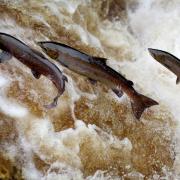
(9, 107)
(100, 175)
(64, 172)
(149, 25)
(65, 144)
(3, 81)
(12, 109)
(86, 37)
(30, 172)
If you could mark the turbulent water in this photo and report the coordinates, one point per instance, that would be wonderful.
(92, 134)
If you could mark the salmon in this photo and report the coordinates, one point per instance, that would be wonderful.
(36, 61)
(96, 69)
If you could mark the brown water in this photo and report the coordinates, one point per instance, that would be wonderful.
(92, 134)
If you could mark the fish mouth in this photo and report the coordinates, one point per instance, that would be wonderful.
(152, 52)
(39, 43)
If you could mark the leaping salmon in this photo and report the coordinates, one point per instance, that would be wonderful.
(33, 59)
(168, 60)
(96, 69)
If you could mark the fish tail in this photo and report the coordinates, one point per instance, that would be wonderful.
(140, 104)
(178, 80)
(53, 104)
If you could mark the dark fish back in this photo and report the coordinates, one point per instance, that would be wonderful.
(102, 63)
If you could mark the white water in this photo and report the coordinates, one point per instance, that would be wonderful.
(152, 24)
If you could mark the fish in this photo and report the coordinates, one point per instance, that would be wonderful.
(168, 60)
(96, 69)
(33, 59)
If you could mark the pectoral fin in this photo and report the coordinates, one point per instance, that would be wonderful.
(53, 104)
(92, 81)
(5, 56)
(118, 92)
(65, 78)
(36, 74)
(177, 80)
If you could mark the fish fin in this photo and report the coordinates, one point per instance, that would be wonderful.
(118, 92)
(5, 56)
(53, 104)
(140, 104)
(35, 74)
(65, 78)
(130, 83)
(99, 60)
(92, 81)
(178, 80)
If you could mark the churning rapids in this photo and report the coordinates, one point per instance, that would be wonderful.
(91, 134)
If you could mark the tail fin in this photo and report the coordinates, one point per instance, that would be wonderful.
(53, 104)
(177, 80)
(140, 104)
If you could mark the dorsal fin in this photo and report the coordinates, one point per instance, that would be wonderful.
(102, 61)
(130, 83)
(99, 60)
(35, 74)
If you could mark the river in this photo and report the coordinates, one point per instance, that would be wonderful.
(91, 134)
